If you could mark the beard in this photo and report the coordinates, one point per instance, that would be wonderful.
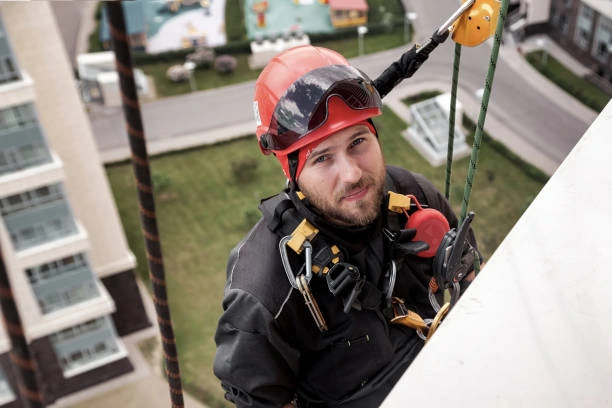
(353, 214)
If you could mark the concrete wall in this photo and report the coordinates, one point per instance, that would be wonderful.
(533, 330)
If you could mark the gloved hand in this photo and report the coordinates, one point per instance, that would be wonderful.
(407, 65)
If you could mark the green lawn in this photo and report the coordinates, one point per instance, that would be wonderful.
(580, 88)
(203, 212)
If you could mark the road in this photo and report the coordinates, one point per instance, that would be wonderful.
(525, 111)
(521, 100)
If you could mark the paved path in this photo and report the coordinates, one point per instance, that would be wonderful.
(529, 114)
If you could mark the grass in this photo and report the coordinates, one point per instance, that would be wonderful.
(580, 88)
(203, 212)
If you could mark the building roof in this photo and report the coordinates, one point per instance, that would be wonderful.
(348, 5)
(135, 22)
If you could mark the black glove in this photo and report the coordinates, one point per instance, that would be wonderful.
(407, 65)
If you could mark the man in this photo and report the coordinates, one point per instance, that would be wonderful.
(326, 295)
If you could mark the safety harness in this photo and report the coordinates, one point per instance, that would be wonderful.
(425, 234)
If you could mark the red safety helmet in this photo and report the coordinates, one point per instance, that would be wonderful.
(305, 94)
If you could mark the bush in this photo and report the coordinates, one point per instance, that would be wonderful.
(244, 169)
(202, 57)
(234, 20)
(226, 64)
(177, 73)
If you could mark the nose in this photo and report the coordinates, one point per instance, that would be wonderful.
(349, 169)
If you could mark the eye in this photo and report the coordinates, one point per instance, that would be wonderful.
(321, 159)
(357, 141)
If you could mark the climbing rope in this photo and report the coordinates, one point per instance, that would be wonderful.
(451, 120)
(483, 110)
(146, 203)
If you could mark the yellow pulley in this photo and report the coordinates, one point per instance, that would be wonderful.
(477, 23)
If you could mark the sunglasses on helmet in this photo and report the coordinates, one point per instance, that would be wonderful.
(303, 106)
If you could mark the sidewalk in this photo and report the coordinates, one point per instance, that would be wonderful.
(543, 42)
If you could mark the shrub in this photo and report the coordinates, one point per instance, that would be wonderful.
(225, 64)
(177, 73)
(202, 57)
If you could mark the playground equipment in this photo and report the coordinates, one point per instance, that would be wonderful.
(260, 9)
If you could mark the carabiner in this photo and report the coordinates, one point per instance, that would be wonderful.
(282, 247)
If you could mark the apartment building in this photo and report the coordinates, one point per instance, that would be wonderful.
(581, 27)
(584, 28)
(527, 17)
(67, 259)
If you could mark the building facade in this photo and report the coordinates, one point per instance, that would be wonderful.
(71, 271)
(584, 28)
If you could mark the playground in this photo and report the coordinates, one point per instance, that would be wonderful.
(273, 18)
(181, 24)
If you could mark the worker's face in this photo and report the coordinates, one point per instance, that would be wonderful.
(344, 177)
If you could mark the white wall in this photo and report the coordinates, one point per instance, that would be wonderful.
(534, 328)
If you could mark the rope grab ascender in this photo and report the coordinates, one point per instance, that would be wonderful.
(473, 23)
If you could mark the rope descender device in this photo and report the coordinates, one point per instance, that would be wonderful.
(472, 23)
(448, 266)
(479, 23)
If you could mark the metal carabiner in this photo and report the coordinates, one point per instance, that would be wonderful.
(392, 276)
(282, 247)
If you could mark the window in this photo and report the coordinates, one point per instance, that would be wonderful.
(584, 26)
(602, 41)
(37, 216)
(22, 143)
(86, 346)
(16, 117)
(8, 72)
(28, 199)
(559, 20)
(62, 283)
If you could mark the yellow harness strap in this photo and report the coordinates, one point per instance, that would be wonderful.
(398, 202)
(476, 24)
(304, 231)
(405, 317)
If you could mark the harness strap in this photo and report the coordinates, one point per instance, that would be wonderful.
(282, 217)
(321, 258)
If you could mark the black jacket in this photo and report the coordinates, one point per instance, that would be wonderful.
(269, 349)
